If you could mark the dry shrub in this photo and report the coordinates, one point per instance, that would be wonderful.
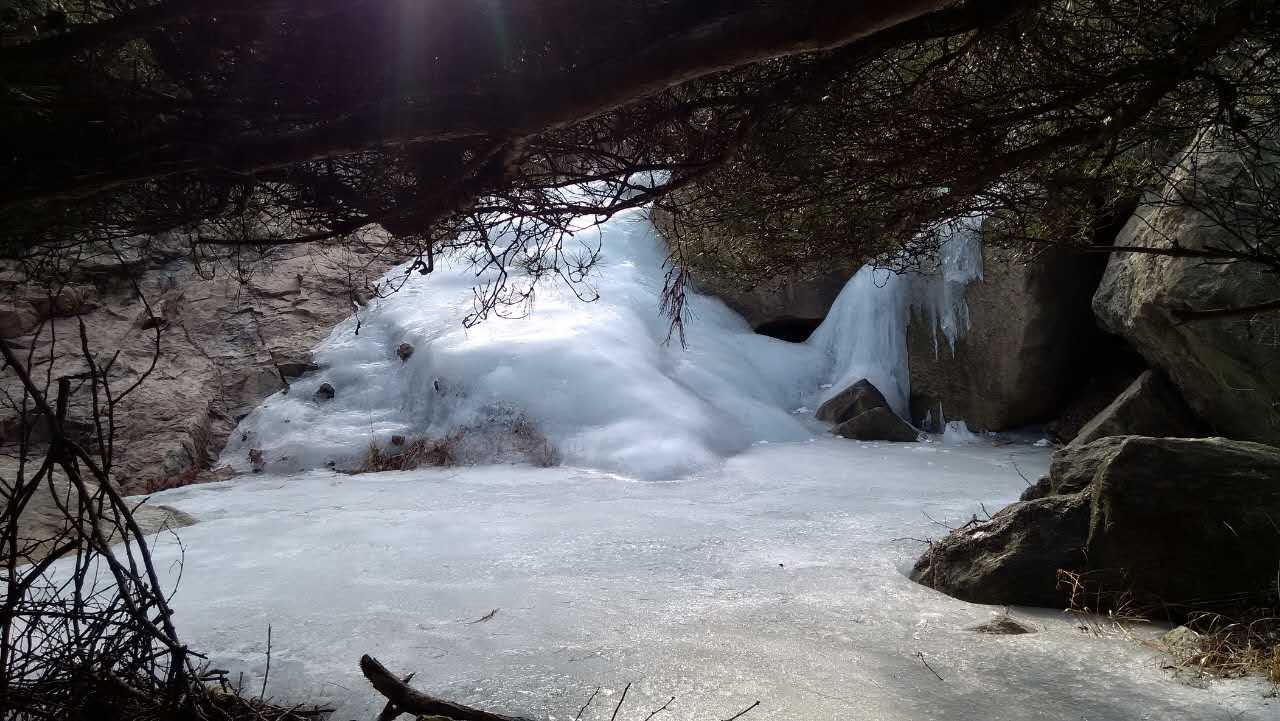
(1242, 644)
(1091, 602)
(533, 444)
(504, 437)
(419, 453)
(1232, 647)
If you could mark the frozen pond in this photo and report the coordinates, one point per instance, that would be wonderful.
(777, 576)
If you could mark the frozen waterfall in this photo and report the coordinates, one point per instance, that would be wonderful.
(597, 379)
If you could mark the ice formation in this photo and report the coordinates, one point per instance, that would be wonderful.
(598, 379)
(939, 297)
(595, 378)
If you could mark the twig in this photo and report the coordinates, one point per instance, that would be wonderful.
(743, 712)
(920, 655)
(660, 709)
(617, 708)
(590, 698)
(484, 618)
(266, 672)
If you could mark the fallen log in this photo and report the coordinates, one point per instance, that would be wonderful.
(402, 699)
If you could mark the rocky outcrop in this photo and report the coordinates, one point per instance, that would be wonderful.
(1150, 406)
(1022, 351)
(861, 413)
(1227, 369)
(1168, 523)
(227, 338)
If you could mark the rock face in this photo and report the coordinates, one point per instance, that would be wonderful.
(1228, 370)
(1150, 406)
(1180, 524)
(226, 342)
(1029, 330)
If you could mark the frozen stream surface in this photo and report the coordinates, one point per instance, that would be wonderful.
(777, 575)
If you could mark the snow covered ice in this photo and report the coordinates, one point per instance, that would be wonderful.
(698, 541)
(777, 575)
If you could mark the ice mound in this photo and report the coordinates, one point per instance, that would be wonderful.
(597, 379)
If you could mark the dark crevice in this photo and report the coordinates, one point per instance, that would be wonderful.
(790, 328)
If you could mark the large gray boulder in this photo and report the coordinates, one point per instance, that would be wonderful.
(1150, 406)
(1228, 370)
(1169, 523)
(1029, 334)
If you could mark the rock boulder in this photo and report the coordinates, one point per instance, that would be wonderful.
(1150, 406)
(852, 401)
(1014, 557)
(1173, 523)
(1228, 370)
(877, 424)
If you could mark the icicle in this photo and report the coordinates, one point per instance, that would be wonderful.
(940, 297)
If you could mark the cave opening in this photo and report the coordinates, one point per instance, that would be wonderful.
(790, 328)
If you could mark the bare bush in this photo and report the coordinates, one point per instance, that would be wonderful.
(419, 453)
(1232, 647)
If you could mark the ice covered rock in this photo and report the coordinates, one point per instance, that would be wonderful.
(878, 424)
(1150, 406)
(1172, 523)
(1226, 368)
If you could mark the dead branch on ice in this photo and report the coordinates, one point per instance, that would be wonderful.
(404, 699)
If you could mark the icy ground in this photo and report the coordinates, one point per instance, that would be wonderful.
(776, 575)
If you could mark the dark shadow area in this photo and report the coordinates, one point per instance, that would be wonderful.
(790, 329)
